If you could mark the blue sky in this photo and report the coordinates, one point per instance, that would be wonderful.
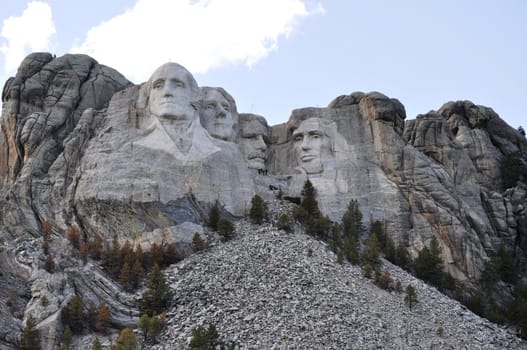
(277, 55)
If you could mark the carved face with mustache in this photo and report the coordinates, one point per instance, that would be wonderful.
(253, 142)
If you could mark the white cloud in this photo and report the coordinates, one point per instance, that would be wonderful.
(200, 34)
(27, 33)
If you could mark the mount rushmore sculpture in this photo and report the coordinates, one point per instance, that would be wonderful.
(82, 145)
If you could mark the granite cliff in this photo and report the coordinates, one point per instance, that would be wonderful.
(81, 146)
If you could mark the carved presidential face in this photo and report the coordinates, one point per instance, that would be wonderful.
(253, 143)
(172, 91)
(216, 115)
(311, 145)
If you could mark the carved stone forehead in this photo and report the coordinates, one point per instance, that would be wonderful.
(173, 70)
(308, 125)
(253, 127)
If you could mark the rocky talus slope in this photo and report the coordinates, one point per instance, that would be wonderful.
(266, 289)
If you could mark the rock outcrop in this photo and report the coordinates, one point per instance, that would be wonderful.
(83, 146)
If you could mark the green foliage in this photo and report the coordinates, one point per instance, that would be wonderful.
(158, 295)
(104, 318)
(384, 280)
(151, 327)
(429, 265)
(258, 211)
(352, 225)
(66, 338)
(340, 257)
(411, 296)
(285, 223)
(126, 341)
(73, 315)
(214, 216)
(96, 345)
(517, 308)
(198, 244)
(225, 229)
(203, 339)
(30, 339)
(370, 255)
(309, 202)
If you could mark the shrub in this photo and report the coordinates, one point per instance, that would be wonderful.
(284, 223)
(198, 243)
(411, 296)
(49, 264)
(204, 339)
(258, 211)
(214, 216)
(225, 229)
(30, 339)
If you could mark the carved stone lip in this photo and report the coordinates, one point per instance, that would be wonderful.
(308, 158)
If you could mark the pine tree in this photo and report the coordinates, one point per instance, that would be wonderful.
(30, 339)
(370, 256)
(225, 229)
(214, 216)
(204, 339)
(96, 247)
(309, 202)
(258, 211)
(96, 345)
(104, 319)
(126, 340)
(91, 316)
(171, 255)
(158, 295)
(74, 236)
(198, 244)
(429, 265)
(112, 258)
(156, 255)
(411, 296)
(66, 338)
(124, 277)
(136, 274)
(73, 315)
(144, 325)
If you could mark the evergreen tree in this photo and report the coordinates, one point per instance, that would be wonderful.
(225, 229)
(156, 255)
(214, 216)
(112, 258)
(126, 341)
(258, 211)
(284, 223)
(136, 274)
(204, 339)
(96, 247)
(429, 265)
(411, 296)
(171, 255)
(73, 315)
(104, 319)
(66, 338)
(158, 295)
(370, 256)
(83, 250)
(30, 339)
(521, 130)
(144, 325)
(198, 244)
(352, 221)
(309, 202)
(74, 236)
(124, 277)
(91, 315)
(96, 345)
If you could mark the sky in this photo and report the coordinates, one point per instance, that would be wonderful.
(274, 56)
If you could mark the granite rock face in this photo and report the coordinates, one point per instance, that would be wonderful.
(81, 145)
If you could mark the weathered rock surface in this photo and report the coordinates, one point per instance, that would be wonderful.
(81, 145)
